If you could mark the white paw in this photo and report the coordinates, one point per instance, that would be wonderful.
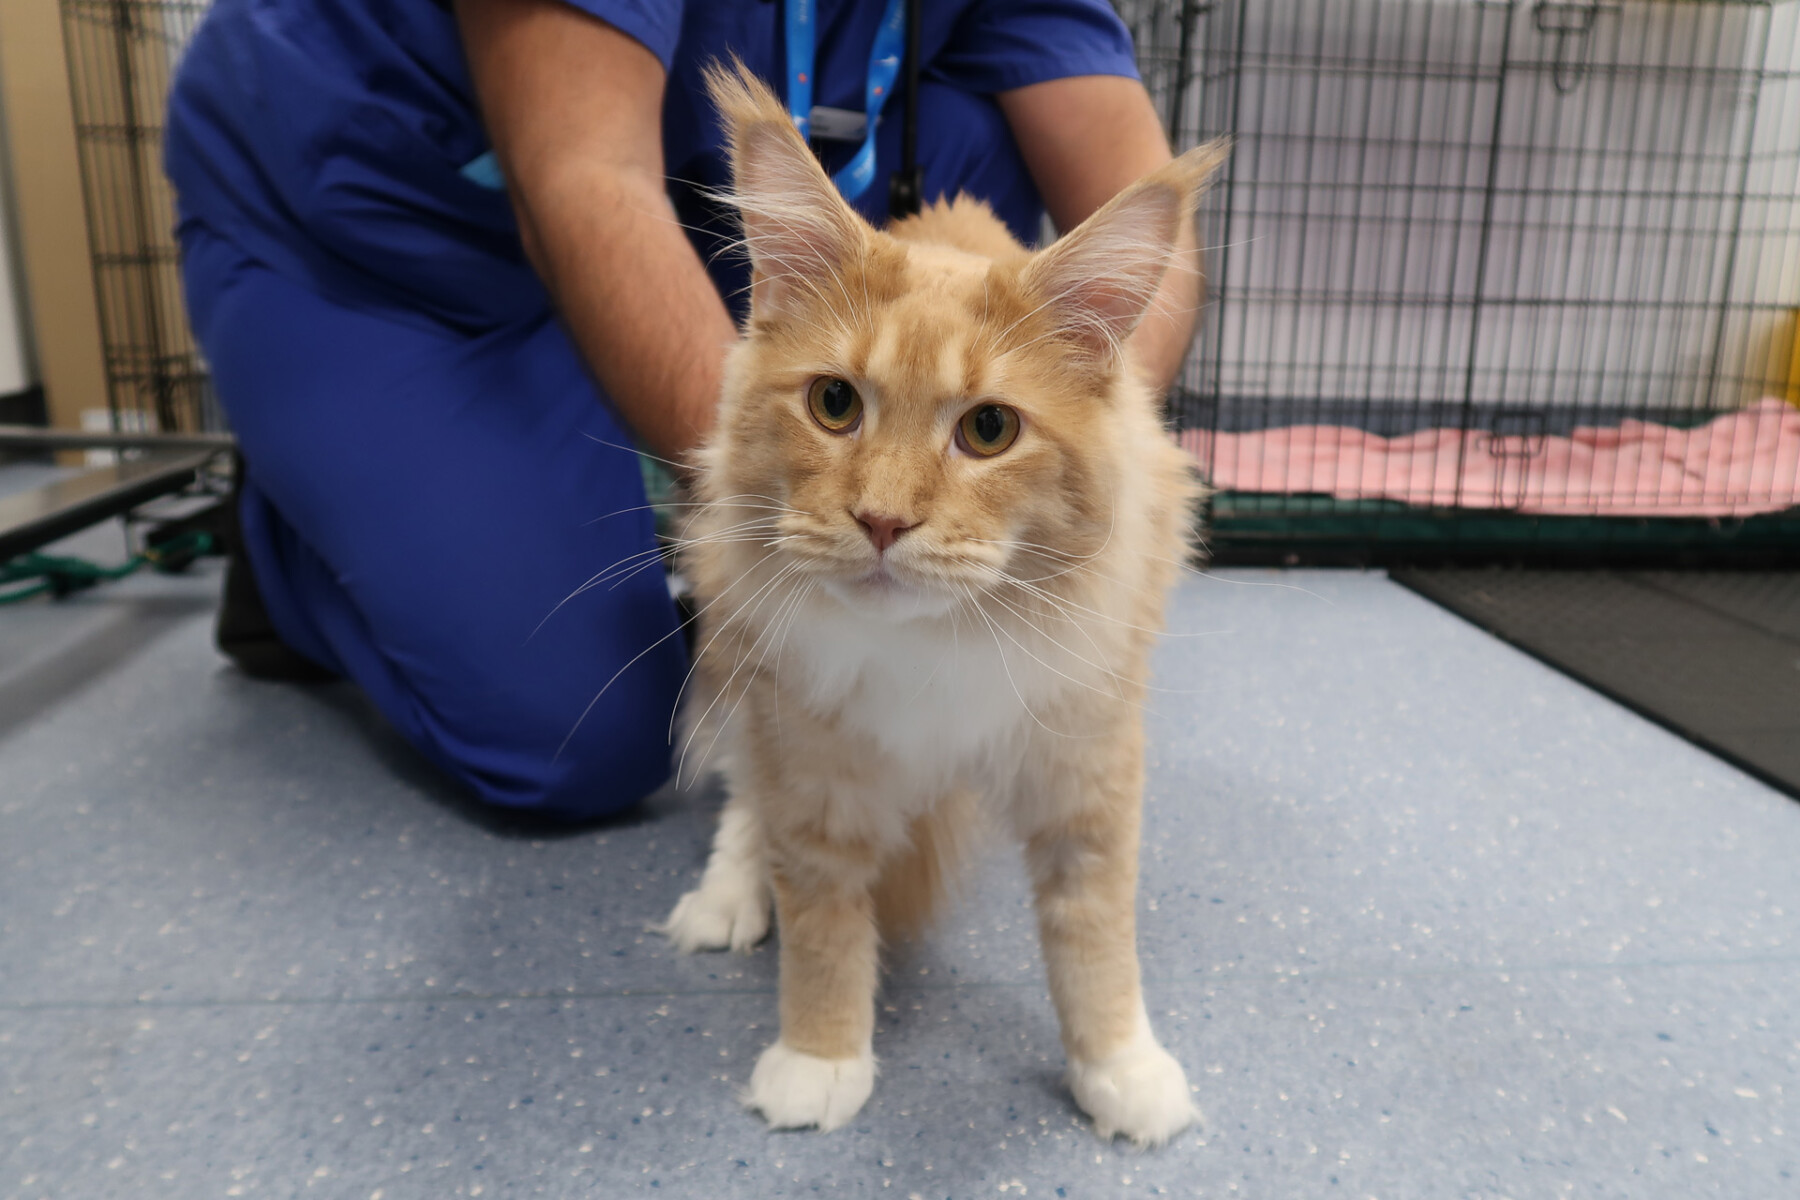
(720, 912)
(1139, 1091)
(793, 1090)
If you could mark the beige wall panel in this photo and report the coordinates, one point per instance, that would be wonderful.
(53, 230)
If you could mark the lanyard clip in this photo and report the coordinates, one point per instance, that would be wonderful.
(906, 189)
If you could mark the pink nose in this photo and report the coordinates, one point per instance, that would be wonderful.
(882, 530)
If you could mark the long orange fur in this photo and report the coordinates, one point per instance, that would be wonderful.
(1046, 564)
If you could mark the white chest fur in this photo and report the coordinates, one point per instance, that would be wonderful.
(943, 696)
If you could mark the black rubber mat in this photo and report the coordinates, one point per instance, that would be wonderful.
(1712, 655)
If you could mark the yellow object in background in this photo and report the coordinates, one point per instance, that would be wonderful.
(1793, 372)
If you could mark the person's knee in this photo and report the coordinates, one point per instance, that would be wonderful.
(551, 758)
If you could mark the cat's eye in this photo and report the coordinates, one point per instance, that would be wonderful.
(834, 404)
(987, 429)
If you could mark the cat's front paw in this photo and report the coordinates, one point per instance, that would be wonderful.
(1139, 1091)
(727, 909)
(793, 1090)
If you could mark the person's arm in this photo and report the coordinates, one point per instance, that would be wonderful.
(1085, 139)
(574, 110)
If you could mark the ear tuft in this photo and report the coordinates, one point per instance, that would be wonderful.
(1098, 280)
(798, 229)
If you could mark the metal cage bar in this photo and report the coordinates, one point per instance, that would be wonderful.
(1504, 220)
(121, 55)
(1500, 220)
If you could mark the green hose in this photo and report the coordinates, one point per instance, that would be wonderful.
(36, 574)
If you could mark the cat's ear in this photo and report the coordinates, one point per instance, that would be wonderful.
(798, 229)
(1097, 280)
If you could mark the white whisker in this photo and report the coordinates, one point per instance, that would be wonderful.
(668, 462)
(619, 512)
(679, 626)
(755, 605)
(1080, 626)
(780, 620)
(1007, 668)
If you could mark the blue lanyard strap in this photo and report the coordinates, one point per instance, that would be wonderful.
(884, 67)
(800, 42)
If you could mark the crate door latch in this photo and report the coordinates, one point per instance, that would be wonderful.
(1572, 26)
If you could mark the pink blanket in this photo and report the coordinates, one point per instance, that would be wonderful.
(1738, 464)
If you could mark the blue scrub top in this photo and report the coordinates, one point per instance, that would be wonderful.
(326, 137)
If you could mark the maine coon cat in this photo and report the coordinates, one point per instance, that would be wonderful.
(938, 517)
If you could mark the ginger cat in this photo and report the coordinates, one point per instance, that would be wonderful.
(940, 513)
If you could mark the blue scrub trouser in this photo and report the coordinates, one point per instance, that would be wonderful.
(419, 501)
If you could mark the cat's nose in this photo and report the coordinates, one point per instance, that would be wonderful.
(882, 529)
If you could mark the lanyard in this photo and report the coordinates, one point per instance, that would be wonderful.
(884, 67)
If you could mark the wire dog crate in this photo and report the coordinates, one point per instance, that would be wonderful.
(121, 54)
(1490, 275)
(1493, 273)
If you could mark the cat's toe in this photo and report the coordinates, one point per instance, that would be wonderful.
(1139, 1091)
(793, 1090)
(714, 916)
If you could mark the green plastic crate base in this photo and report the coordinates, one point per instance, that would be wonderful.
(1264, 530)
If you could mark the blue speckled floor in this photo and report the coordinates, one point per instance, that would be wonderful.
(1422, 918)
